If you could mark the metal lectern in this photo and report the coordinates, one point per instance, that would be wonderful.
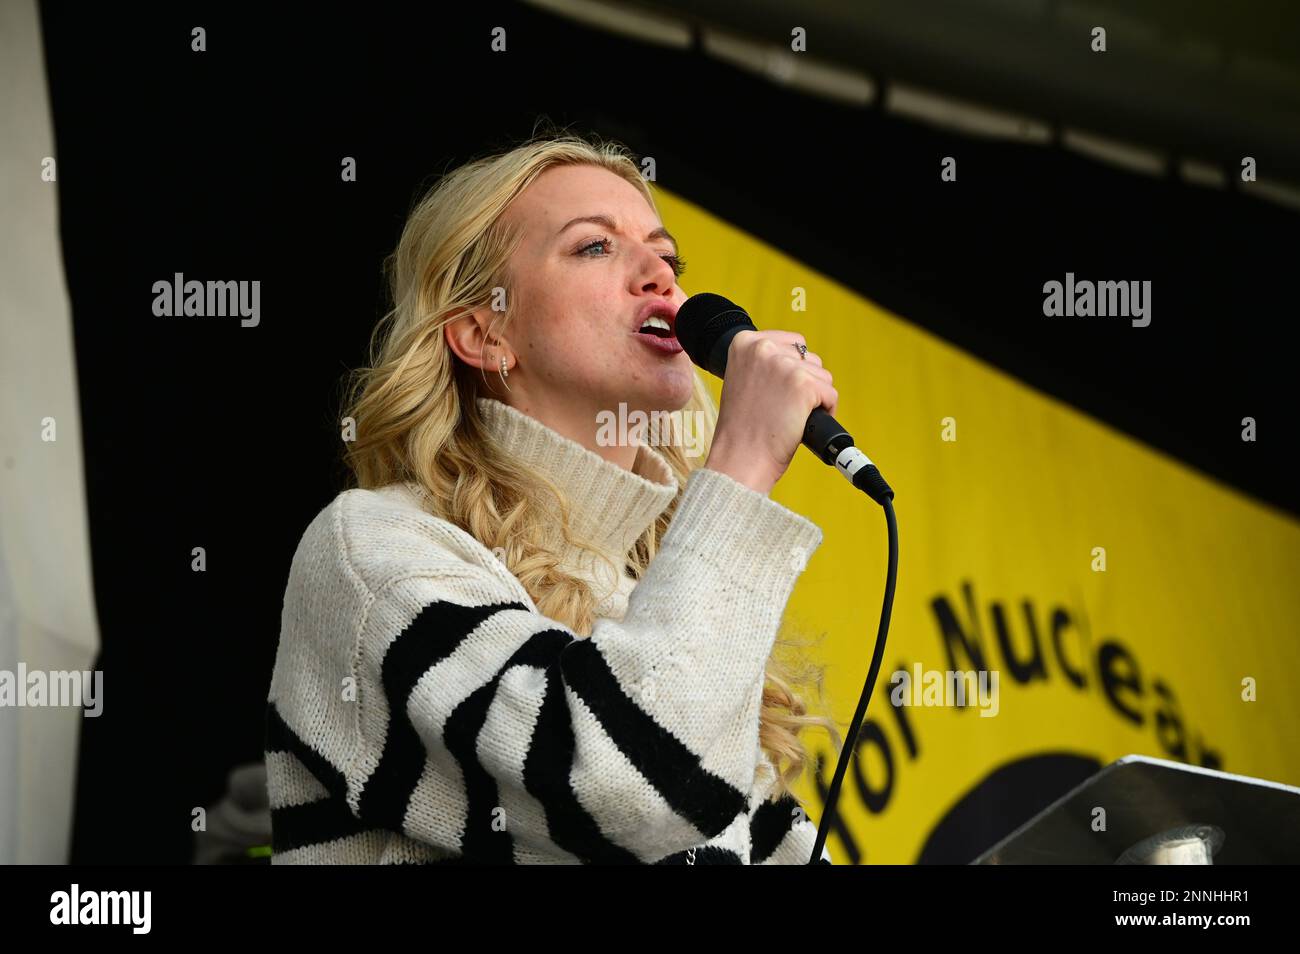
(1160, 812)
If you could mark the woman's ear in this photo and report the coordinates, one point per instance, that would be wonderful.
(467, 336)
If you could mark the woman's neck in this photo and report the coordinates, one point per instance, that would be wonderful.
(603, 432)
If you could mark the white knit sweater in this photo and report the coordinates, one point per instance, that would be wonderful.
(422, 710)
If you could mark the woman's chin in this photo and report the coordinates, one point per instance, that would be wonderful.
(670, 400)
(674, 387)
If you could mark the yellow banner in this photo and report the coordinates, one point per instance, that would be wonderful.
(1124, 602)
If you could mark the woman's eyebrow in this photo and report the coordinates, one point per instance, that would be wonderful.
(608, 223)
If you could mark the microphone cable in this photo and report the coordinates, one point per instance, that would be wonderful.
(891, 579)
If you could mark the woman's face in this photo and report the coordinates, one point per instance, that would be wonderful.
(593, 257)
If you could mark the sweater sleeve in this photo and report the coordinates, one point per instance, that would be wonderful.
(782, 833)
(487, 728)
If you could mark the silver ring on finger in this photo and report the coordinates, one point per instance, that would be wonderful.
(803, 351)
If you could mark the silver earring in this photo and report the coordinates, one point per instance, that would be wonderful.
(504, 373)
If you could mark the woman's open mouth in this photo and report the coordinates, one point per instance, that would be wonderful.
(656, 328)
(656, 334)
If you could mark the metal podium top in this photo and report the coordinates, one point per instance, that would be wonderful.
(1257, 822)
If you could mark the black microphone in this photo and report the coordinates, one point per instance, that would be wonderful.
(705, 325)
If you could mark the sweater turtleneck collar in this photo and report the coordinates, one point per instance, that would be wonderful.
(608, 505)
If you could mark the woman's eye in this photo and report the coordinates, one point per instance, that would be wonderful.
(676, 262)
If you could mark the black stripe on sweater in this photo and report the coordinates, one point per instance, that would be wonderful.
(546, 777)
(707, 801)
(481, 840)
(281, 738)
(312, 824)
(769, 825)
(547, 764)
(431, 637)
(326, 819)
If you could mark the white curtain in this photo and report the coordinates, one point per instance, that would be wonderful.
(47, 617)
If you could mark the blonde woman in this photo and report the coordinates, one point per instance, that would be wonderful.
(518, 642)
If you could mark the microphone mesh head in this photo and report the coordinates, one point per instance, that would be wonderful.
(701, 321)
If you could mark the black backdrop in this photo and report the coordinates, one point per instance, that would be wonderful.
(225, 165)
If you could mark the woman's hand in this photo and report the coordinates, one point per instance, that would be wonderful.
(767, 394)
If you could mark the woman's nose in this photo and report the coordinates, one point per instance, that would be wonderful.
(659, 275)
